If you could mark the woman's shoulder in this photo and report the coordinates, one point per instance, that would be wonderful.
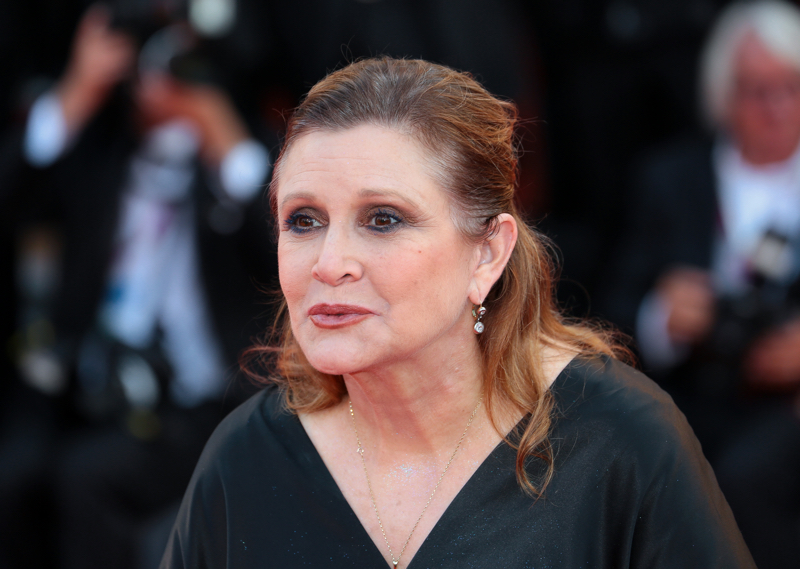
(619, 439)
(615, 423)
(262, 420)
(611, 402)
(602, 383)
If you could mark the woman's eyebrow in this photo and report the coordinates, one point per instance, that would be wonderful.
(293, 196)
(367, 193)
(401, 196)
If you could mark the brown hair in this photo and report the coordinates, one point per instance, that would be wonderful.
(470, 135)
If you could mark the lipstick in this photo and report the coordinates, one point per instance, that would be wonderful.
(337, 315)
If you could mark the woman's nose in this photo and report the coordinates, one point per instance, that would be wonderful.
(337, 262)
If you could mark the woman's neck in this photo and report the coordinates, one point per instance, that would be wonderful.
(416, 408)
(421, 409)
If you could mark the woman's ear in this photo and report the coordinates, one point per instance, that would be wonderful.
(495, 252)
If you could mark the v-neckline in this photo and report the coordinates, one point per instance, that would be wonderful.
(325, 475)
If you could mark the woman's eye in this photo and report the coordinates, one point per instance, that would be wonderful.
(301, 223)
(384, 221)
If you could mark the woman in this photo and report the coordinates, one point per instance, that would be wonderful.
(440, 410)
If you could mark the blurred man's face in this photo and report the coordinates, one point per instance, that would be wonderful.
(765, 105)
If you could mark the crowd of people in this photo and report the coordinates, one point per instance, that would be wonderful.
(137, 246)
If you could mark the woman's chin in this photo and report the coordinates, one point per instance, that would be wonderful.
(337, 353)
(333, 362)
(332, 366)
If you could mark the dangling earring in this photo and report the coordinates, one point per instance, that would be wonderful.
(477, 313)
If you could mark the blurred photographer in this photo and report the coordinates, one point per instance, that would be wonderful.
(150, 177)
(751, 86)
(710, 265)
(146, 176)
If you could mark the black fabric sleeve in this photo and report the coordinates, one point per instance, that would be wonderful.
(669, 493)
(198, 539)
(684, 520)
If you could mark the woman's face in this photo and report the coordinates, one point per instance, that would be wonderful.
(373, 268)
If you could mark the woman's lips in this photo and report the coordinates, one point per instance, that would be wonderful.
(337, 315)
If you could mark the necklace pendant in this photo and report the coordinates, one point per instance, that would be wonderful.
(394, 563)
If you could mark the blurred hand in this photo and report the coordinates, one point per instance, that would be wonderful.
(101, 57)
(689, 297)
(773, 362)
(161, 98)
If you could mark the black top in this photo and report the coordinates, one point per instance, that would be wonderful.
(631, 489)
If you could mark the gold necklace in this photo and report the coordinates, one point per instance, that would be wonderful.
(360, 451)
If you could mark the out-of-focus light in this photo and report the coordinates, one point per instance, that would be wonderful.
(624, 20)
(212, 18)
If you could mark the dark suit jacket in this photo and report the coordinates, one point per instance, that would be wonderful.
(672, 220)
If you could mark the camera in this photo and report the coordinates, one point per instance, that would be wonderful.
(166, 42)
(770, 299)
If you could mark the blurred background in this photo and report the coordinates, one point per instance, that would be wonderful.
(137, 251)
